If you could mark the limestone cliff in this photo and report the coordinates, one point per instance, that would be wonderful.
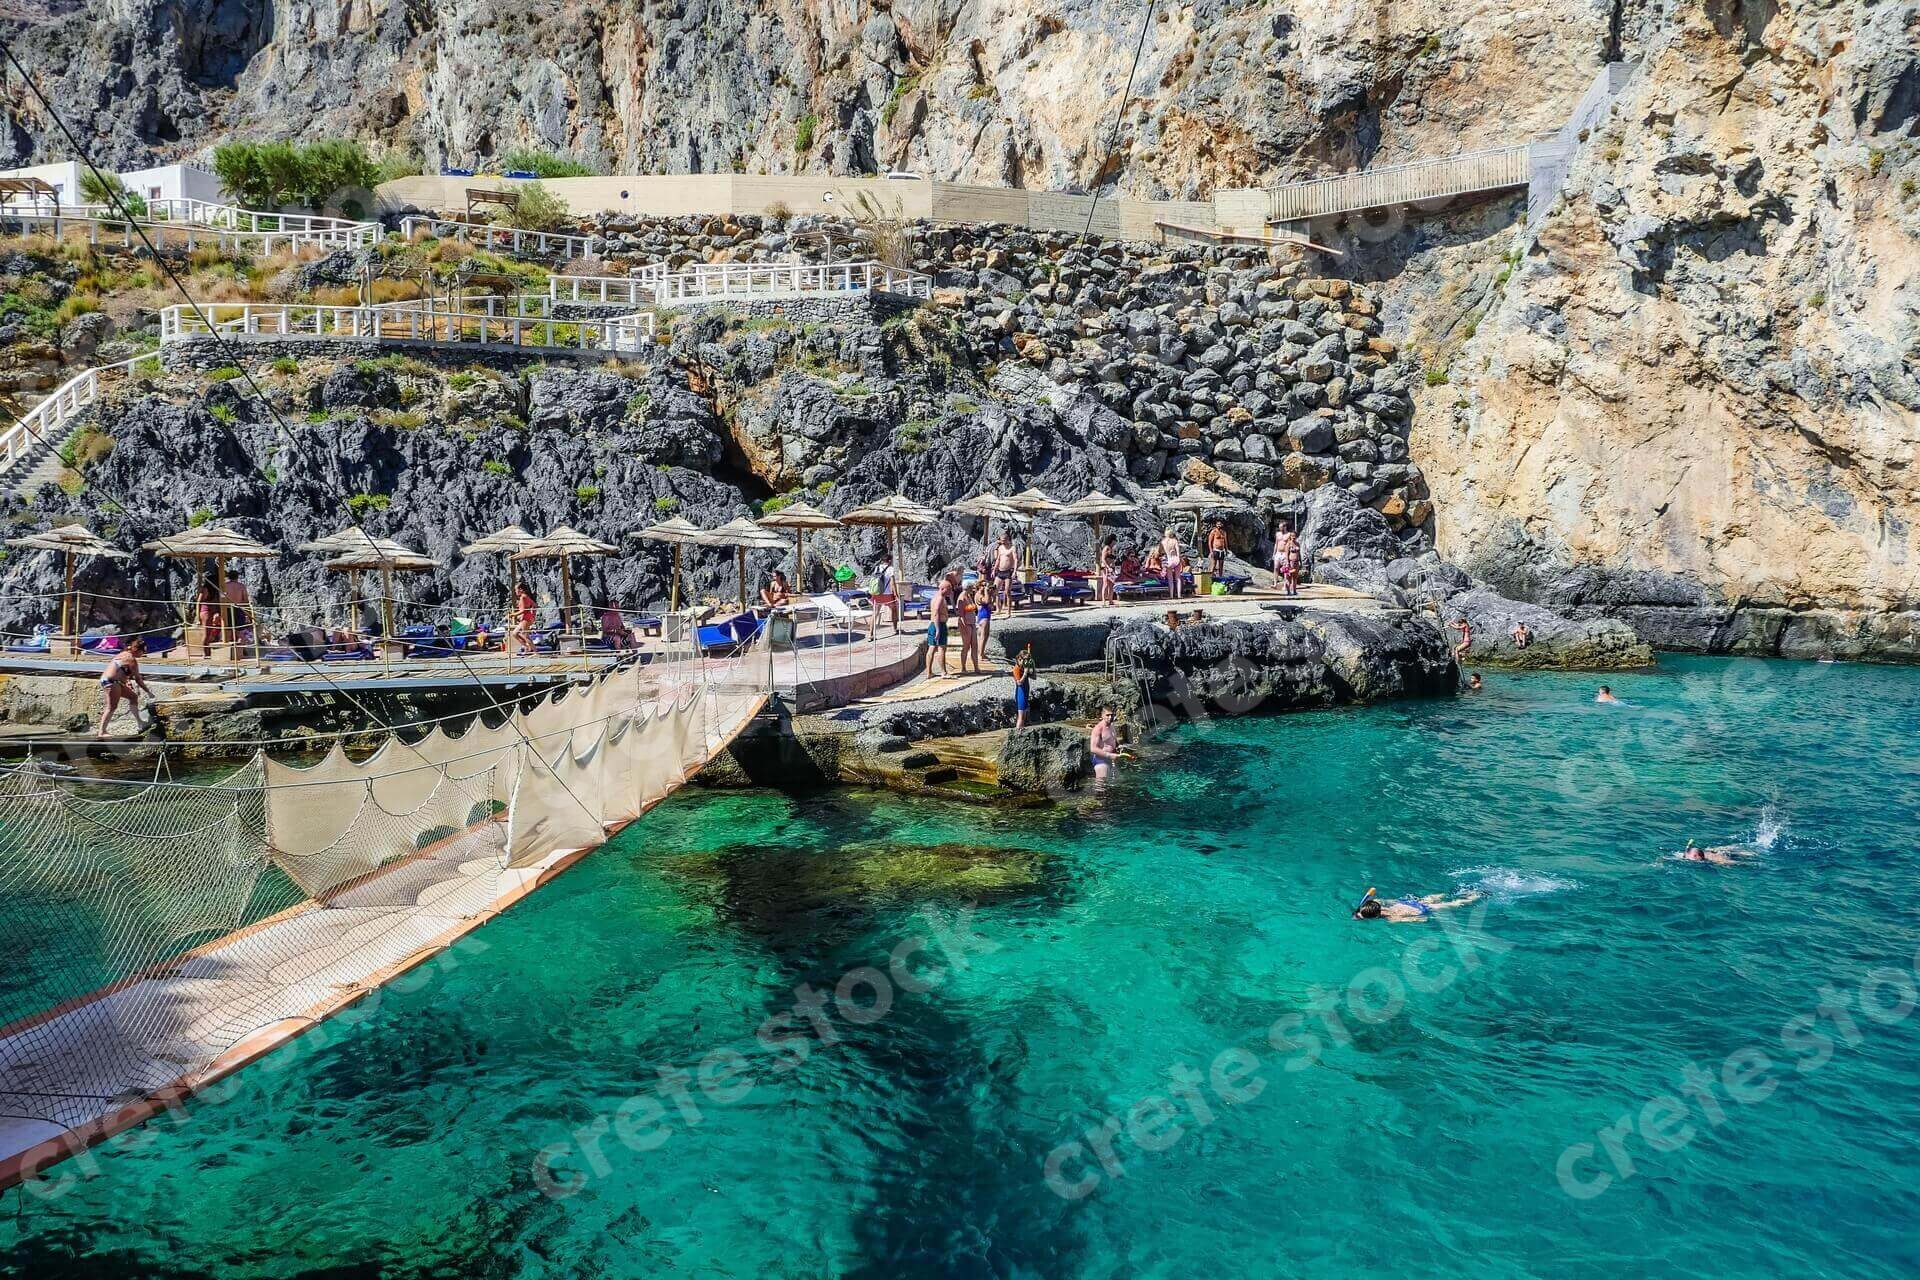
(1691, 398)
(992, 91)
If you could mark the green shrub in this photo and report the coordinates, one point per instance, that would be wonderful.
(225, 373)
(285, 364)
(537, 209)
(547, 164)
(461, 381)
(803, 132)
(223, 414)
(1876, 161)
(901, 88)
(364, 504)
(317, 417)
(85, 447)
(637, 403)
(1816, 301)
(588, 494)
(1436, 376)
(203, 516)
(397, 164)
(495, 467)
(667, 505)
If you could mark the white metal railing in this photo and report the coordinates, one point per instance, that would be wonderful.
(194, 221)
(744, 281)
(639, 289)
(412, 321)
(1489, 170)
(45, 422)
(488, 236)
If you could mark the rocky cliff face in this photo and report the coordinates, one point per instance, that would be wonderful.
(1692, 398)
(997, 91)
(1686, 398)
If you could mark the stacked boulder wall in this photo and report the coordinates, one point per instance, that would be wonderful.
(1693, 404)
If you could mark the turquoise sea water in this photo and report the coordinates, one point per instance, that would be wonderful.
(1184, 914)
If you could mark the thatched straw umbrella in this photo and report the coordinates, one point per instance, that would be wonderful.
(1033, 504)
(1095, 508)
(507, 541)
(216, 543)
(799, 517)
(563, 544)
(388, 558)
(892, 514)
(70, 540)
(743, 535)
(679, 533)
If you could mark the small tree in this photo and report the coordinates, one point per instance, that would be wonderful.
(535, 209)
(268, 175)
(100, 187)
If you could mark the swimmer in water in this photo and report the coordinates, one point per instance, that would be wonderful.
(1605, 695)
(1725, 855)
(1475, 684)
(1408, 910)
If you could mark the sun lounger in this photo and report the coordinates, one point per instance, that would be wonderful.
(844, 612)
(734, 633)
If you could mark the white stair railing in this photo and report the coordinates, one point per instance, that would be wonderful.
(193, 221)
(48, 421)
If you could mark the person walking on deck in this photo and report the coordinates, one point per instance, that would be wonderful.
(520, 626)
(118, 680)
(1170, 562)
(886, 595)
(938, 615)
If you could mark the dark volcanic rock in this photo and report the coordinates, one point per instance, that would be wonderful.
(1045, 757)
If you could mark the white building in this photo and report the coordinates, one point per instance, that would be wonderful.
(167, 182)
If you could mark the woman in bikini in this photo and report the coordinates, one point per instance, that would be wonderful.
(118, 681)
(520, 630)
(1103, 586)
(967, 615)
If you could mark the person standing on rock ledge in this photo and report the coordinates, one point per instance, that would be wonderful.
(1286, 559)
(1170, 562)
(1217, 549)
(886, 595)
(1022, 686)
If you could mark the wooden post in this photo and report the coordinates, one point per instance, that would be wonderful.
(67, 605)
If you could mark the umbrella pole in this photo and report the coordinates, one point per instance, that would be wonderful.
(799, 557)
(673, 600)
(740, 563)
(566, 597)
(67, 604)
(513, 596)
(386, 608)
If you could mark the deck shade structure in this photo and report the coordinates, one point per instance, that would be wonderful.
(799, 517)
(70, 540)
(387, 558)
(1198, 502)
(1033, 504)
(743, 535)
(679, 533)
(892, 514)
(1095, 508)
(563, 544)
(216, 543)
(507, 542)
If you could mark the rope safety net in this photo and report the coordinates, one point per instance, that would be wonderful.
(148, 929)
